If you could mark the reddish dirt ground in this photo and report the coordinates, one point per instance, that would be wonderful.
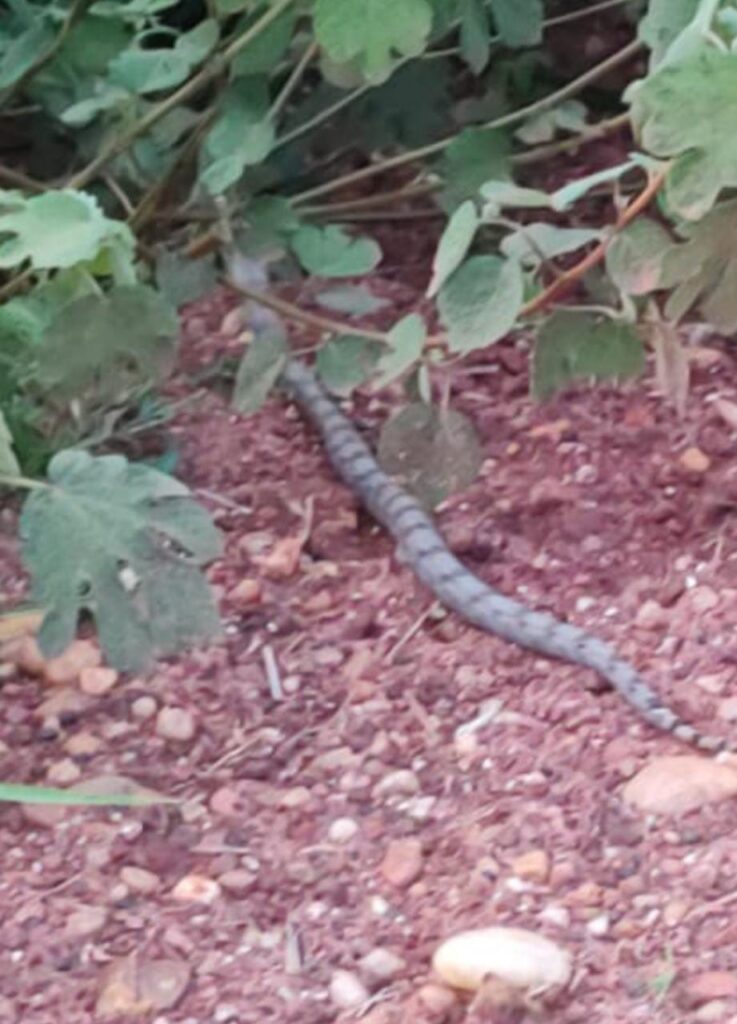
(584, 507)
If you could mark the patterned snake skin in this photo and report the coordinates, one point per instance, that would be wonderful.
(424, 550)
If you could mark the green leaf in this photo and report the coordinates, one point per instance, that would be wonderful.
(19, 55)
(351, 299)
(687, 112)
(575, 346)
(331, 252)
(374, 30)
(347, 362)
(474, 156)
(92, 44)
(634, 259)
(434, 452)
(144, 71)
(263, 53)
(98, 348)
(259, 370)
(406, 341)
(498, 194)
(181, 280)
(241, 136)
(533, 244)
(408, 110)
(56, 229)
(125, 543)
(474, 35)
(663, 23)
(12, 792)
(570, 116)
(107, 98)
(8, 462)
(198, 43)
(703, 269)
(266, 225)
(480, 302)
(454, 243)
(518, 22)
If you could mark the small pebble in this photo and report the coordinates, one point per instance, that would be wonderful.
(694, 460)
(85, 922)
(97, 680)
(82, 744)
(598, 926)
(533, 866)
(175, 724)
(196, 889)
(63, 773)
(437, 1000)
(380, 966)
(347, 991)
(402, 863)
(342, 830)
(143, 708)
(139, 880)
(402, 782)
(237, 880)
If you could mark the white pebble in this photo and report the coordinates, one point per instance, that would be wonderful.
(347, 990)
(342, 830)
(175, 724)
(519, 958)
(598, 926)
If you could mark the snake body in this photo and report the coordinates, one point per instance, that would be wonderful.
(424, 550)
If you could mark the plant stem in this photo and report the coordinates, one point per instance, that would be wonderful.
(294, 313)
(433, 148)
(568, 279)
(24, 483)
(292, 81)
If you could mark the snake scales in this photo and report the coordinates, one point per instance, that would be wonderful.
(424, 550)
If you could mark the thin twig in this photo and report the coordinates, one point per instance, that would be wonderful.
(597, 254)
(294, 313)
(20, 180)
(293, 81)
(273, 677)
(416, 626)
(515, 117)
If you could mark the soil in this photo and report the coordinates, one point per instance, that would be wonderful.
(296, 794)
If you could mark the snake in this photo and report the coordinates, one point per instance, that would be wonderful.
(422, 548)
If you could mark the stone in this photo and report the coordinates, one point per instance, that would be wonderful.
(97, 680)
(514, 956)
(342, 830)
(85, 922)
(176, 724)
(708, 985)
(196, 889)
(401, 782)
(67, 667)
(380, 966)
(402, 863)
(63, 773)
(139, 879)
(533, 866)
(347, 991)
(143, 708)
(693, 460)
(679, 784)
